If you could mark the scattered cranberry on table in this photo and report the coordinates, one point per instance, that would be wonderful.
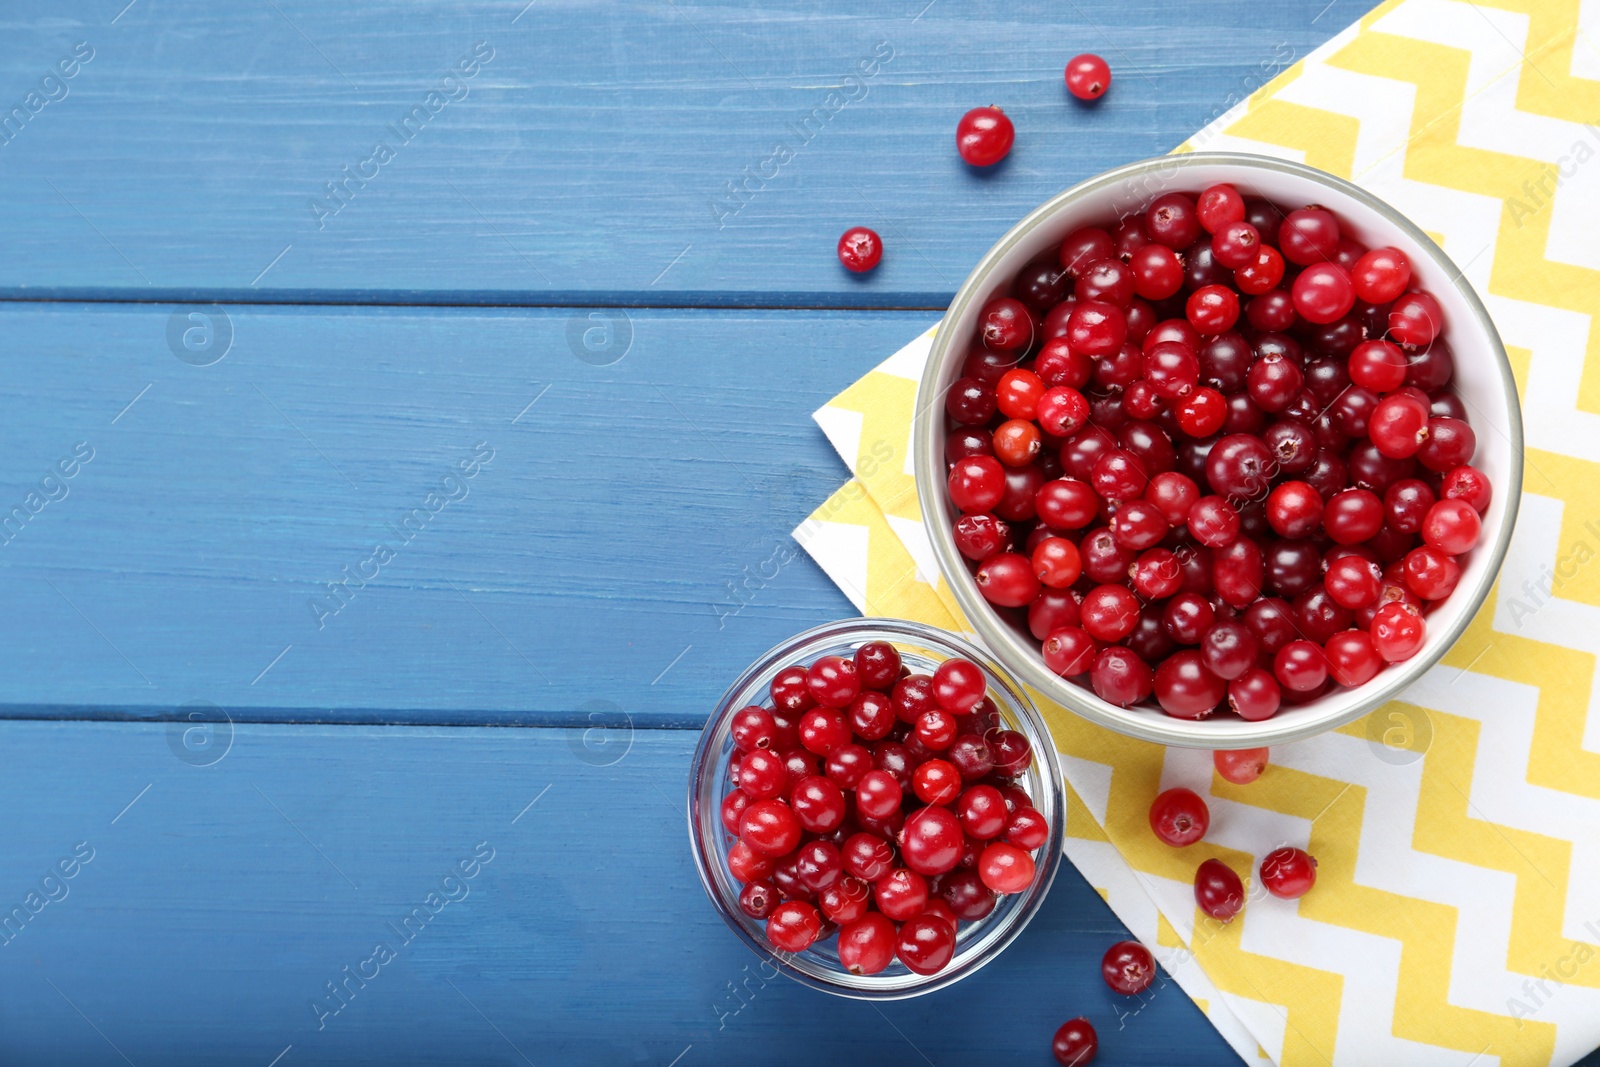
(860, 249)
(984, 136)
(1218, 891)
(881, 802)
(1288, 872)
(1240, 766)
(1180, 817)
(1088, 76)
(1128, 968)
(1075, 1043)
(1211, 456)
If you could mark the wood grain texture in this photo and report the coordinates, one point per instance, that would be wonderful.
(612, 549)
(216, 908)
(589, 161)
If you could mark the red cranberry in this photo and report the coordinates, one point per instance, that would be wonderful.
(867, 945)
(1119, 676)
(984, 136)
(1218, 891)
(1088, 76)
(794, 926)
(926, 944)
(1288, 872)
(1075, 1043)
(1005, 868)
(1128, 968)
(1240, 766)
(1179, 817)
(860, 249)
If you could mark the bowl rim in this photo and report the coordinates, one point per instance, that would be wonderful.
(1007, 645)
(1049, 857)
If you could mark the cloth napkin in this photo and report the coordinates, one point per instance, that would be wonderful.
(1456, 916)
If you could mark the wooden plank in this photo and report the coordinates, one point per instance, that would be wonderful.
(590, 159)
(220, 900)
(627, 542)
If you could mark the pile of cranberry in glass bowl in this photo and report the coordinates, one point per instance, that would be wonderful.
(1209, 456)
(876, 807)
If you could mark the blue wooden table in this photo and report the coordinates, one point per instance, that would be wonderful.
(402, 409)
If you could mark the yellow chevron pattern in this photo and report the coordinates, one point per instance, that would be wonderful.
(1457, 913)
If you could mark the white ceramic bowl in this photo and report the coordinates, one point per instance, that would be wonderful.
(1482, 379)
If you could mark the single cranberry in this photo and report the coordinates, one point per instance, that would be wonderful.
(770, 828)
(1467, 483)
(926, 944)
(1228, 649)
(867, 945)
(1179, 817)
(932, 840)
(823, 729)
(1119, 676)
(1300, 666)
(936, 782)
(1084, 246)
(845, 901)
(1213, 521)
(1096, 328)
(1309, 235)
(1157, 271)
(1272, 310)
(1068, 651)
(1239, 467)
(1352, 658)
(1381, 275)
(1353, 581)
(1088, 76)
(878, 794)
(752, 728)
(977, 483)
(1450, 444)
(762, 774)
(1288, 872)
(901, 894)
(860, 249)
(1240, 766)
(1173, 220)
(1005, 868)
(1066, 504)
(935, 730)
(1238, 572)
(1323, 293)
(1186, 688)
(1213, 309)
(1430, 573)
(758, 899)
(1452, 526)
(1415, 319)
(794, 926)
(1018, 393)
(1353, 516)
(912, 696)
(984, 136)
(972, 756)
(983, 813)
(819, 864)
(1027, 829)
(877, 664)
(1378, 365)
(1397, 631)
(790, 692)
(818, 803)
(1128, 968)
(1110, 612)
(1218, 891)
(1254, 695)
(1294, 509)
(1075, 1043)
(867, 856)
(963, 890)
(1007, 579)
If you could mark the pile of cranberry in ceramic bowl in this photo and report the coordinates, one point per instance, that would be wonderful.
(1208, 457)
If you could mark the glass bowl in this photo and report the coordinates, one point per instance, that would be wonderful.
(922, 648)
(1483, 380)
